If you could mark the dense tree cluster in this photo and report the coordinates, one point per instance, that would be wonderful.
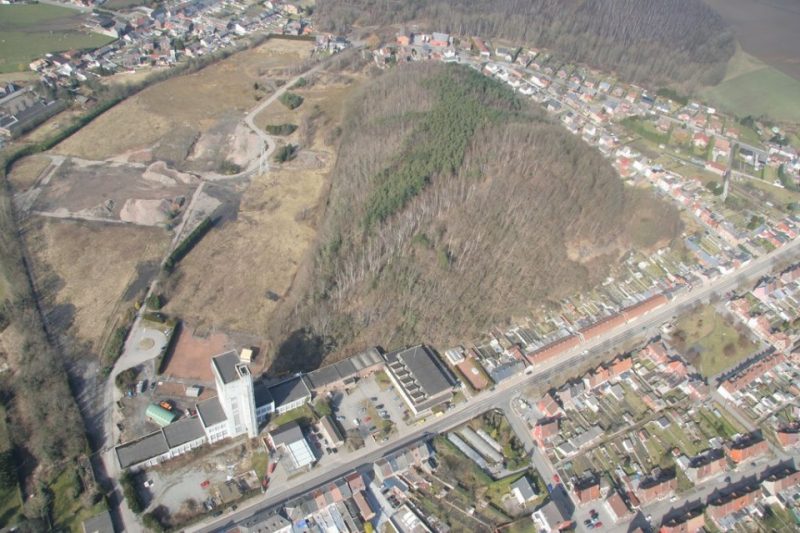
(454, 205)
(682, 42)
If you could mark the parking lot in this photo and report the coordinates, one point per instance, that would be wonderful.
(368, 409)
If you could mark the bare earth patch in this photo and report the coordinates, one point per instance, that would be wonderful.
(191, 357)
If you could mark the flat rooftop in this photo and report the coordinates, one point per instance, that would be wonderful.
(211, 412)
(140, 450)
(289, 391)
(183, 431)
(225, 365)
(420, 375)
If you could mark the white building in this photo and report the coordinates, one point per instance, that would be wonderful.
(235, 392)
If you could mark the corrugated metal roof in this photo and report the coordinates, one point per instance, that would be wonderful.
(159, 415)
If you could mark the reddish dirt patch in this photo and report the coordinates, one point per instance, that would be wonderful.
(191, 359)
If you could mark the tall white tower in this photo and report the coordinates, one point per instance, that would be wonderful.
(235, 391)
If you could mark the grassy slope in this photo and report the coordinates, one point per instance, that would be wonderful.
(30, 31)
(752, 87)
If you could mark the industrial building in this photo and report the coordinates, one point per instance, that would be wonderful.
(420, 378)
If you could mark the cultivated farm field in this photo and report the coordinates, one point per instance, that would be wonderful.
(753, 87)
(28, 31)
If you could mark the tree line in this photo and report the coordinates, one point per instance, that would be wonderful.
(681, 43)
(454, 206)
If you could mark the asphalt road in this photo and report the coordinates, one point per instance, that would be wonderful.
(500, 397)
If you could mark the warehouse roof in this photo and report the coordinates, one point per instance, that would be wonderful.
(226, 366)
(139, 451)
(183, 431)
(323, 377)
(366, 359)
(211, 412)
(420, 375)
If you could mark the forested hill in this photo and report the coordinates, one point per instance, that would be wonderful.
(454, 206)
(661, 42)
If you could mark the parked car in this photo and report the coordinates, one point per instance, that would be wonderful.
(166, 405)
(205, 484)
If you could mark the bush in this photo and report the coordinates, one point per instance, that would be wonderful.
(163, 359)
(160, 318)
(116, 343)
(286, 153)
(155, 301)
(188, 243)
(126, 378)
(323, 407)
(228, 168)
(291, 100)
(8, 470)
(152, 523)
(301, 82)
(281, 129)
(131, 494)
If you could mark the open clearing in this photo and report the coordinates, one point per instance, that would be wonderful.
(84, 270)
(185, 106)
(26, 171)
(147, 195)
(711, 343)
(240, 272)
(28, 31)
(767, 29)
(191, 357)
(761, 91)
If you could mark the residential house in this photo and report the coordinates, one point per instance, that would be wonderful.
(522, 491)
(616, 507)
(659, 485)
(723, 506)
(692, 521)
(747, 448)
(550, 518)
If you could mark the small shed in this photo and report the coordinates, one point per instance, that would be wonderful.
(246, 356)
(159, 415)
(193, 391)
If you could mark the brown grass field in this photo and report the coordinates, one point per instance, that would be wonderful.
(27, 171)
(89, 266)
(196, 100)
(259, 253)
